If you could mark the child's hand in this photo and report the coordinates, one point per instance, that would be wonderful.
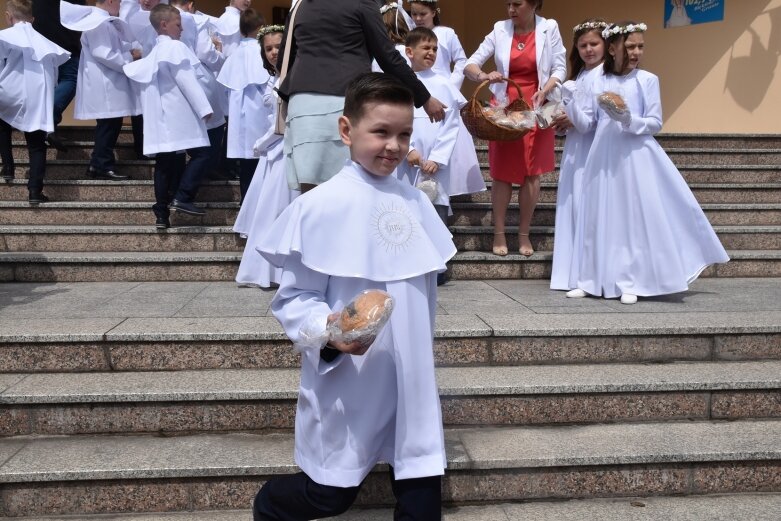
(136, 54)
(217, 43)
(561, 123)
(538, 99)
(429, 167)
(351, 348)
(413, 158)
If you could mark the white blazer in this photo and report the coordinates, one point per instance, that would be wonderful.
(551, 54)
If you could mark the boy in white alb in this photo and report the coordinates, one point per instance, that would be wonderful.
(243, 74)
(360, 403)
(434, 143)
(170, 86)
(103, 92)
(28, 75)
(227, 25)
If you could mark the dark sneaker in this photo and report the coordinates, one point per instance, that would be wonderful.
(53, 140)
(37, 198)
(8, 174)
(162, 223)
(188, 208)
(105, 174)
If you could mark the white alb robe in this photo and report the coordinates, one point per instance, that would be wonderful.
(172, 93)
(102, 89)
(205, 49)
(227, 28)
(449, 51)
(243, 74)
(355, 232)
(267, 197)
(28, 75)
(639, 229)
(142, 30)
(438, 141)
(568, 194)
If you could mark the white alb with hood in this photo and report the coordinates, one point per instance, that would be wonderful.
(171, 91)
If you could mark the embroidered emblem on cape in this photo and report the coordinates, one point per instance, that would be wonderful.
(393, 227)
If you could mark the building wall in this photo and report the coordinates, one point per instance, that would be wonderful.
(722, 77)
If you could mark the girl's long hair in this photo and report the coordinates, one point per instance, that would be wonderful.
(576, 63)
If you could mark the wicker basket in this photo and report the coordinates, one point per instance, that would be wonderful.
(481, 127)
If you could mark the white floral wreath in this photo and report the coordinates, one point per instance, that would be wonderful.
(588, 26)
(387, 7)
(268, 29)
(624, 29)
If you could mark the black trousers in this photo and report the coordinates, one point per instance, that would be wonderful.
(177, 178)
(106, 135)
(36, 149)
(247, 169)
(298, 498)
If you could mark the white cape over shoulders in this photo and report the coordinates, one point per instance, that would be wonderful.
(84, 17)
(23, 36)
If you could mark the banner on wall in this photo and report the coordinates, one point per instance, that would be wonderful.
(679, 13)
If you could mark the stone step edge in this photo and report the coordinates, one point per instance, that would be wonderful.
(72, 458)
(235, 256)
(741, 507)
(145, 205)
(207, 329)
(207, 229)
(282, 384)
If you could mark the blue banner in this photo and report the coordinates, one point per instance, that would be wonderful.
(679, 13)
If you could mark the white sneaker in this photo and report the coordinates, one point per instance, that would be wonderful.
(576, 293)
(628, 298)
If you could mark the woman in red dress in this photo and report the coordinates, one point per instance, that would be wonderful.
(528, 49)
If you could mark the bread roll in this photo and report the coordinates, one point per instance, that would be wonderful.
(365, 310)
(612, 101)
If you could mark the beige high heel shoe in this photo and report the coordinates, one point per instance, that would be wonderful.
(501, 251)
(526, 252)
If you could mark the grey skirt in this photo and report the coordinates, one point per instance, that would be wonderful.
(314, 152)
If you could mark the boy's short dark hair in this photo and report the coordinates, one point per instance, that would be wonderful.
(250, 21)
(22, 10)
(160, 13)
(377, 87)
(419, 35)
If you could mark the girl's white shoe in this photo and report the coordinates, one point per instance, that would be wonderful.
(576, 293)
(628, 298)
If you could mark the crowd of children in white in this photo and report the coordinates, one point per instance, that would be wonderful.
(627, 225)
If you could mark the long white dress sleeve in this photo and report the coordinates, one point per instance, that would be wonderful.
(450, 52)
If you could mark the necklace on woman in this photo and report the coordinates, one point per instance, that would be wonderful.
(520, 46)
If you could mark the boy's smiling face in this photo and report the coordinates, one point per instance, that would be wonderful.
(379, 140)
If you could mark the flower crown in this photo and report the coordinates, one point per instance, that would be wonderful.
(268, 29)
(590, 26)
(624, 29)
(387, 7)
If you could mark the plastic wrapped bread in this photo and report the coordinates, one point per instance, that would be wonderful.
(362, 318)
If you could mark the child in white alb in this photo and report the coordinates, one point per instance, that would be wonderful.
(363, 229)
(268, 193)
(640, 232)
(425, 13)
(227, 25)
(586, 57)
(103, 92)
(28, 75)
(435, 143)
(170, 86)
(246, 78)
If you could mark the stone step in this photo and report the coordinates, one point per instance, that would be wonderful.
(222, 266)
(89, 475)
(769, 157)
(48, 238)
(97, 190)
(478, 265)
(101, 213)
(173, 326)
(722, 193)
(729, 507)
(254, 400)
(480, 238)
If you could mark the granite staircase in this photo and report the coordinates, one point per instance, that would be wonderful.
(554, 409)
(103, 230)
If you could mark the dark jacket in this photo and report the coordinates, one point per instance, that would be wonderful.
(334, 41)
(47, 22)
